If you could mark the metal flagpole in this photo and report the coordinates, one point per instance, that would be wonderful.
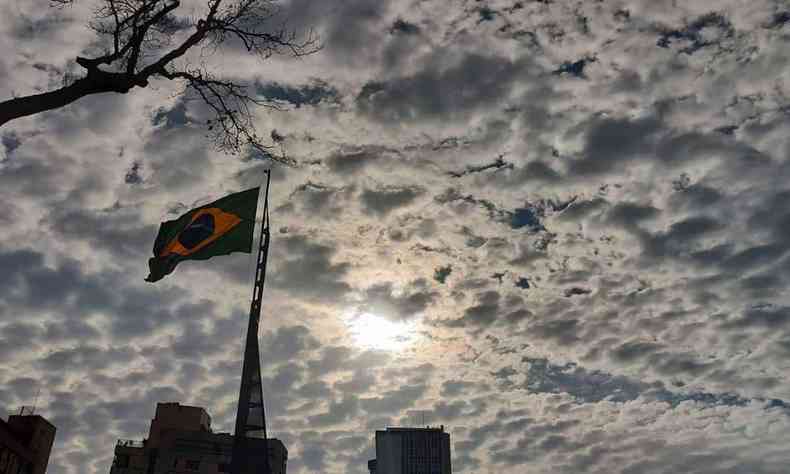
(251, 414)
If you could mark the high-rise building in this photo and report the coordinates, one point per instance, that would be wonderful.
(412, 451)
(25, 443)
(180, 441)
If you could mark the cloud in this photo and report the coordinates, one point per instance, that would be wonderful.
(485, 312)
(353, 162)
(401, 26)
(393, 401)
(474, 82)
(325, 280)
(581, 208)
(309, 94)
(337, 412)
(173, 118)
(383, 299)
(611, 143)
(767, 316)
(382, 201)
(118, 231)
(704, 31)
(10, 142)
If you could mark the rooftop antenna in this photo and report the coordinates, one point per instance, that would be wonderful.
(27, 410)
(35, 401)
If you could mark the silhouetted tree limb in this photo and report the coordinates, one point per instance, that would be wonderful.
(138, 38)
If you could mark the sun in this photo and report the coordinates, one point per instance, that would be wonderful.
(370, 331)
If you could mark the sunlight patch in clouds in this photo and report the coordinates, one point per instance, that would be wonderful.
(369, 331)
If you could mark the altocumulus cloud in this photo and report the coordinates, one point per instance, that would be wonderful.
(580, 207)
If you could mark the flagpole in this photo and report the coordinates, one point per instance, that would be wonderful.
(251, 390)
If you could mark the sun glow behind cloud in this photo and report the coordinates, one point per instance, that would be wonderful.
(369, 331)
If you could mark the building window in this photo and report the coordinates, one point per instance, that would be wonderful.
(223, 467)
(192, 465)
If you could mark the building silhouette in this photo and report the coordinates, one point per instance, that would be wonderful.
(412, 451)
(180, 441)
(25, 443)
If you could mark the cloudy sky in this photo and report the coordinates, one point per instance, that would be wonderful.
(559, 228)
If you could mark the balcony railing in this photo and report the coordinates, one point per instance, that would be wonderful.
(130, 443)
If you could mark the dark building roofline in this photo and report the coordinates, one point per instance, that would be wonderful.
(439, 429)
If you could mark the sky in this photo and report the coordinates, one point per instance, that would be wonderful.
(558, 228)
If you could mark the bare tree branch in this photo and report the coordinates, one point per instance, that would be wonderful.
(136, 33)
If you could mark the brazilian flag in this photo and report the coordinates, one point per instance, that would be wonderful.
(219, 228)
